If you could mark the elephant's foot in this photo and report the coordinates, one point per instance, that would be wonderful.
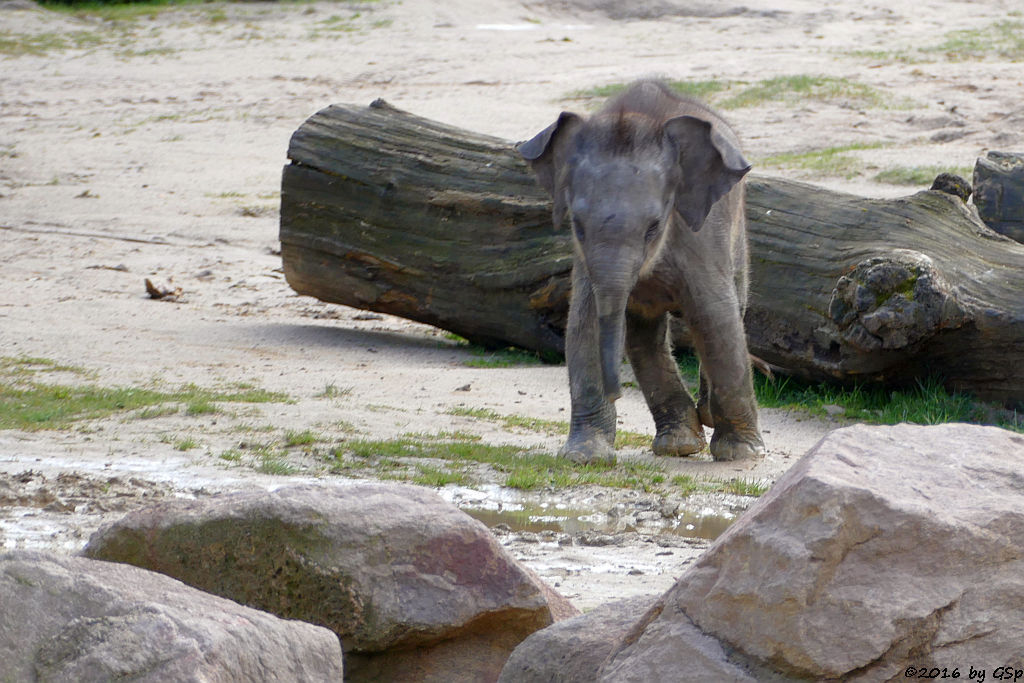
(733, 444)
(588, 449)
(679, 441)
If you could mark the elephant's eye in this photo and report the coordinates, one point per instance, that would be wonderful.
(652, 230)
(577, 230)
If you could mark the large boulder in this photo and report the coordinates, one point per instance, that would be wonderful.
(415, 588)
(573, 650)
(74, 619)
(882, 548)
(666, 646)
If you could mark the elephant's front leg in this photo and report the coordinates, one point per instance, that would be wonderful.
(679, 431)
(592, 428)
(727, 389)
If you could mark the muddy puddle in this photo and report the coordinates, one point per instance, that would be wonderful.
(702, 517)
(537, 519)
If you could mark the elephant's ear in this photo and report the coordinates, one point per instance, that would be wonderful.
(711, 164)
(547, 153)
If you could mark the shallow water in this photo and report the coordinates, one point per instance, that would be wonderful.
(539, 518)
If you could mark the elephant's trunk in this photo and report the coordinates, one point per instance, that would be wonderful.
(613, 279)
(611, 331)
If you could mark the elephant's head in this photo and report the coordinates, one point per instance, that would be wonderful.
(622, 178)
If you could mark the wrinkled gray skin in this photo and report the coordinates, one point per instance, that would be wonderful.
(653, 186)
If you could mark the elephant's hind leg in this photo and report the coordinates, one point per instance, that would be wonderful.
(726, 401)
(679, 431)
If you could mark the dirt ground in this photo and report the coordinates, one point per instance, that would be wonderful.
(152, 147)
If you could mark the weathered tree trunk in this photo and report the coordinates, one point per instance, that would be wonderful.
(386, 211)
(999, 192)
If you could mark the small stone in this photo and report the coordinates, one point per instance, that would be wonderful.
(833, 410)
(953, 184)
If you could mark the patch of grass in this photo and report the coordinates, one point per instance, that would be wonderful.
(745, 487)
(296, 438)
(332, 390)
(623, 438)
(626, 439)
(521, 468)
(346, 426)
(1002, 40)
(507, 357)
(917, 175)
(186, 444)
(926, 403)
(886, 56)
(804, 87)
(156, 411)
(255, 429)
(415, 447)
(276, 465)
(269, 457)
(19, 44)
(24, 366)
(430, 475)
(338, 23)
(689, 485)
(832, 161)
(117, 10)
(31, 405)
(231, 455)
(201, 406)
(444, 436)
(533, 424)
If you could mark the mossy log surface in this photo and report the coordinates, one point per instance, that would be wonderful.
(390, 212)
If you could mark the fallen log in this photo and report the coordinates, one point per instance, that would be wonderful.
(386, 211)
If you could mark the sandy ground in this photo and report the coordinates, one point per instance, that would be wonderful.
(153, 147)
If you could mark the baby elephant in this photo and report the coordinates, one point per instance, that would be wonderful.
(653, 187)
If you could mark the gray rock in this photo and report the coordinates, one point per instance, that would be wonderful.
(74, 619)
(573, 650)
(999, 192)
(884, 547)
(414, 587)
(666, 646)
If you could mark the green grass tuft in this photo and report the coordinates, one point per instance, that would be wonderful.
(787, 90)
(917, 175)
(927, 402)
(1001, 40)
(689, 485)
(508, 357)
(31, 405)
(296, 438)
(186, 444)
(804, 87)
(519, 468)
(276, 465)
(831, 161)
